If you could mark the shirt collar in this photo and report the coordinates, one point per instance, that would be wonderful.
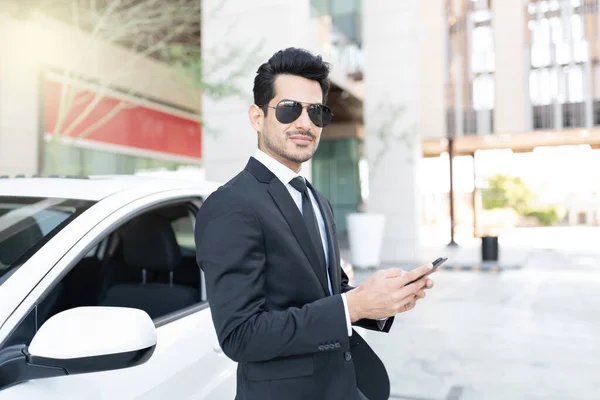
(283, 173)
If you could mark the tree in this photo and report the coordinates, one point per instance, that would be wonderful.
(506, 191)
(166, 30)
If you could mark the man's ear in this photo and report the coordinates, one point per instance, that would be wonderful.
(257, 117)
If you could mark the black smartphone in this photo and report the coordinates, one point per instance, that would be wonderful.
(436, 264)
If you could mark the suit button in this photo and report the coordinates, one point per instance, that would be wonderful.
(337, 345)
(347, 356)
(321, 348)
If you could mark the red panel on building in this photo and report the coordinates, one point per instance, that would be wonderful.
(137, 127)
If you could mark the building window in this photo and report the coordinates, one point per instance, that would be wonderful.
(483, 58)
(575, 84)
(483, 92)
(540, 39)
(320, 7)
(561, 36)
(544, 86)
(346, 16)
(471, 83)
(67, 159)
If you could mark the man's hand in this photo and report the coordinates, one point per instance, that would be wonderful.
(384, 294)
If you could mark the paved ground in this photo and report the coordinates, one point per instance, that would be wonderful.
(516, 247)
(531, 333)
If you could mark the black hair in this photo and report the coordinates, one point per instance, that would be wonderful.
(291, 61)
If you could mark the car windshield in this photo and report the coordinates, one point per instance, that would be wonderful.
(26, 223)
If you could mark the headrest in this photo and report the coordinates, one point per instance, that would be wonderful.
(149, 243)
(22, 236)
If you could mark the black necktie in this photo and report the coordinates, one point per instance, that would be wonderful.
(308, 213)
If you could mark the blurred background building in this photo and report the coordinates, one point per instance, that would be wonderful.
(82, 92)
(125, 87)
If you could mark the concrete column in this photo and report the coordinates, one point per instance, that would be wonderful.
(511, 85)
(528, 103)
(572, 217)
(19, 116)
(239, 26)
(392, 31)
(433, 68)
(459, 95)
(588, 89)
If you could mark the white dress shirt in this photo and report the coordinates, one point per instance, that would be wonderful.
(285, 175)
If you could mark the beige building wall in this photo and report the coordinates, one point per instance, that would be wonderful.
(512, 80)
(343, 130)
(49, 43)
(391, 37)
(19, 114)
(40, 44)
(433, 68)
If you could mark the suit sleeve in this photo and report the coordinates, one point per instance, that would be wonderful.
(231, 252)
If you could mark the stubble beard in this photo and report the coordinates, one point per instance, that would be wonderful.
(279, 150)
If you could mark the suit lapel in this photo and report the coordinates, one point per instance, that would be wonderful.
(334, 263)
(292, 215)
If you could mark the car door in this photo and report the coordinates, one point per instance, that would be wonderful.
(183, 366)
(187, 362)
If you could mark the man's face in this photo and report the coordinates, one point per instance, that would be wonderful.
(296, 142)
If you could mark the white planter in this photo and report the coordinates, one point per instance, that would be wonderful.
(365, 234)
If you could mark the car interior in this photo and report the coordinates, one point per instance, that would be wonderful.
(148, 263)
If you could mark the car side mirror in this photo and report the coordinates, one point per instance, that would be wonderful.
(83, 340)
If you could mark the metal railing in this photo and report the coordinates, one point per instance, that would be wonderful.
(473, 122)
(567, 115)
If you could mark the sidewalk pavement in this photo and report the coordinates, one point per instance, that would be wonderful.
(551, 248)
(525, 333)
(464, 257)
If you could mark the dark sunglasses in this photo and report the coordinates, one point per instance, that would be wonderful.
(287, 111)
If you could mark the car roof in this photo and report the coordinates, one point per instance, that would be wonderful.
(95, 188)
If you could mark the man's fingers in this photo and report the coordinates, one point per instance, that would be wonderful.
(393, 272)
(414, 287)
(412, 275)
(403, 304)
(417, 272)
(410, 305)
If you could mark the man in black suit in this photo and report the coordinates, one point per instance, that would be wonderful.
(266, 241)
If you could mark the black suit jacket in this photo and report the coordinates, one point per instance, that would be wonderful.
(269, 297)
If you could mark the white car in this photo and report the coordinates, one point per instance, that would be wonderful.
(100, 293)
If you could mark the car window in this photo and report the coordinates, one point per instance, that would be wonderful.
(147, 262)
(47, 220)
(26, 223)
(184, 231)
